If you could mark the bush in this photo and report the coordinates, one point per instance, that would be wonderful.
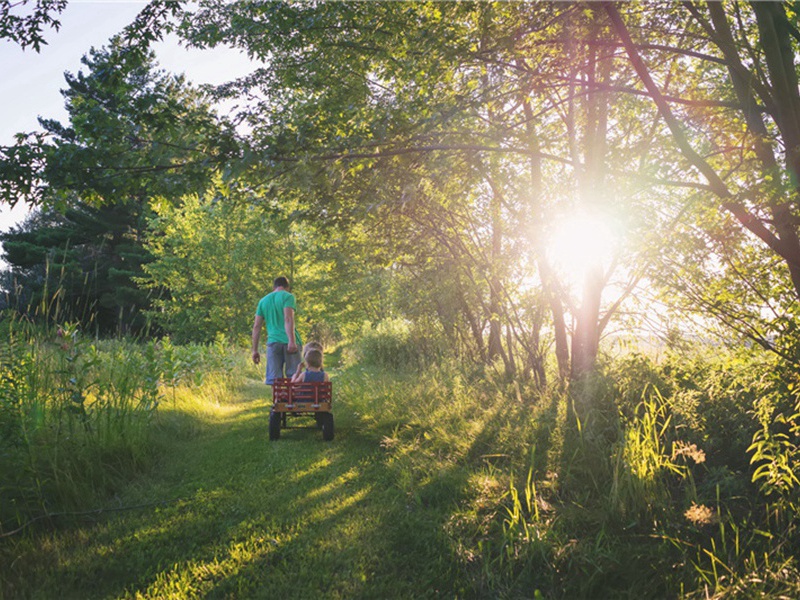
(76, 414)
(397, 344)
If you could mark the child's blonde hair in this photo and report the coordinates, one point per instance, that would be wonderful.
(314, 358)
(311, 346)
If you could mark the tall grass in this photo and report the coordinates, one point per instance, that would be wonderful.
(397, 344)
(78, 415)
(657, 497)
(683, 483)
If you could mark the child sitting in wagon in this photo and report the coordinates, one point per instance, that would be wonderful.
(313, 368)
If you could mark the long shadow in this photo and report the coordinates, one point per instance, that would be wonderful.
(293, 518)
(357, 536)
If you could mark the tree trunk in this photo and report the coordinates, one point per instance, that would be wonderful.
(495, 325)
(586, 337)
(477, 334)
(549, 287)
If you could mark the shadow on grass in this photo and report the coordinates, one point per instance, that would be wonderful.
(294, 518)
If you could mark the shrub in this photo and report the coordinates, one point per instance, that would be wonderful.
(397, 344)
(76, 413)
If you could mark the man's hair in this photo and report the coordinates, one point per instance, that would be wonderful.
(314, 359)
(280, 282)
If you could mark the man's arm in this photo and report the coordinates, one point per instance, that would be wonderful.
(288, 323)
(257, 326)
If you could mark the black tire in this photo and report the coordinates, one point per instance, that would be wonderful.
(274, 425)
(326, 419)
(318, 419)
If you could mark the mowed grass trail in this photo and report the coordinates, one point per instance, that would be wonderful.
(229, 514)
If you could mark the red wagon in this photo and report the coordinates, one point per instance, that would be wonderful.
(301, 399)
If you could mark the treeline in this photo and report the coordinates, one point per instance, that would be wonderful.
(415, 160)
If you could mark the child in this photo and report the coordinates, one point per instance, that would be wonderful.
(301, 367)
(314, 372)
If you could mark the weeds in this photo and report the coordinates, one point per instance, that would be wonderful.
(77, 414)
(640, 501)
(643, 463)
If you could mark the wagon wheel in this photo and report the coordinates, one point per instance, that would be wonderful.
(326, 419)
(274, 425)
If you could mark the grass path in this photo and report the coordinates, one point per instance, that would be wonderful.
(237, 516)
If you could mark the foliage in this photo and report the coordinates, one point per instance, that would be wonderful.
(26, 29)
(88, 257)
(776, 450)
(397, 344)
(474, 484)
(429, 138)
(214, 255)
(78, 416)
(133, 132)
(736, 246)
(443, 154)
(404, 164)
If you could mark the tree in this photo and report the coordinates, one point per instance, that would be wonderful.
(26, 29)
(747, 149)
(81, 264)
(213, 254)
(133, 131)
(423, 80)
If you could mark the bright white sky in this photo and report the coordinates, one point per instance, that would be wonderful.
(30, 82)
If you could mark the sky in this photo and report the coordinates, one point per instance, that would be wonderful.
(30, 82)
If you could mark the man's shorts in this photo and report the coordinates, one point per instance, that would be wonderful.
(279, 362)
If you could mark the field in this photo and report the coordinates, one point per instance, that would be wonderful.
(440, 483)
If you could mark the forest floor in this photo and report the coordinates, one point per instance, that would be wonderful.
(229, 514)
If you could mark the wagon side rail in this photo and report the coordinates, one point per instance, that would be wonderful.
(301, 396)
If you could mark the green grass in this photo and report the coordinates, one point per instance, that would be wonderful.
(230, 514)
(442, 484)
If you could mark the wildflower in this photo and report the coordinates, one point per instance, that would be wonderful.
(690, 450)
(387, 443)
(700, 514)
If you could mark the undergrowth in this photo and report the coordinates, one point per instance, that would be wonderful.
(680, 480)
(685, 487)
(81, 417)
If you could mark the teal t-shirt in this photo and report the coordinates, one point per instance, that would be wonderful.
(271, 308)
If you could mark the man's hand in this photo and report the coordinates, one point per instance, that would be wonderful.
(292, 347)
(258, 324)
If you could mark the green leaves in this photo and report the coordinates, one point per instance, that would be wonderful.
(133, 132)
(89, 257)
(26, 29)
(21, 169)
(776, 451)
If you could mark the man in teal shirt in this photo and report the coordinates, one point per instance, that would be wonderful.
(276, 311)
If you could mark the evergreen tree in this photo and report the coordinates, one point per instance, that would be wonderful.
(79, 265)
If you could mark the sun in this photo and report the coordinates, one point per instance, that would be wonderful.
(579, 241)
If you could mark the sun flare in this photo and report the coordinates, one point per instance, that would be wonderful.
(579, 241)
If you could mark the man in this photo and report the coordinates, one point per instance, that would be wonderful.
(276, 311)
